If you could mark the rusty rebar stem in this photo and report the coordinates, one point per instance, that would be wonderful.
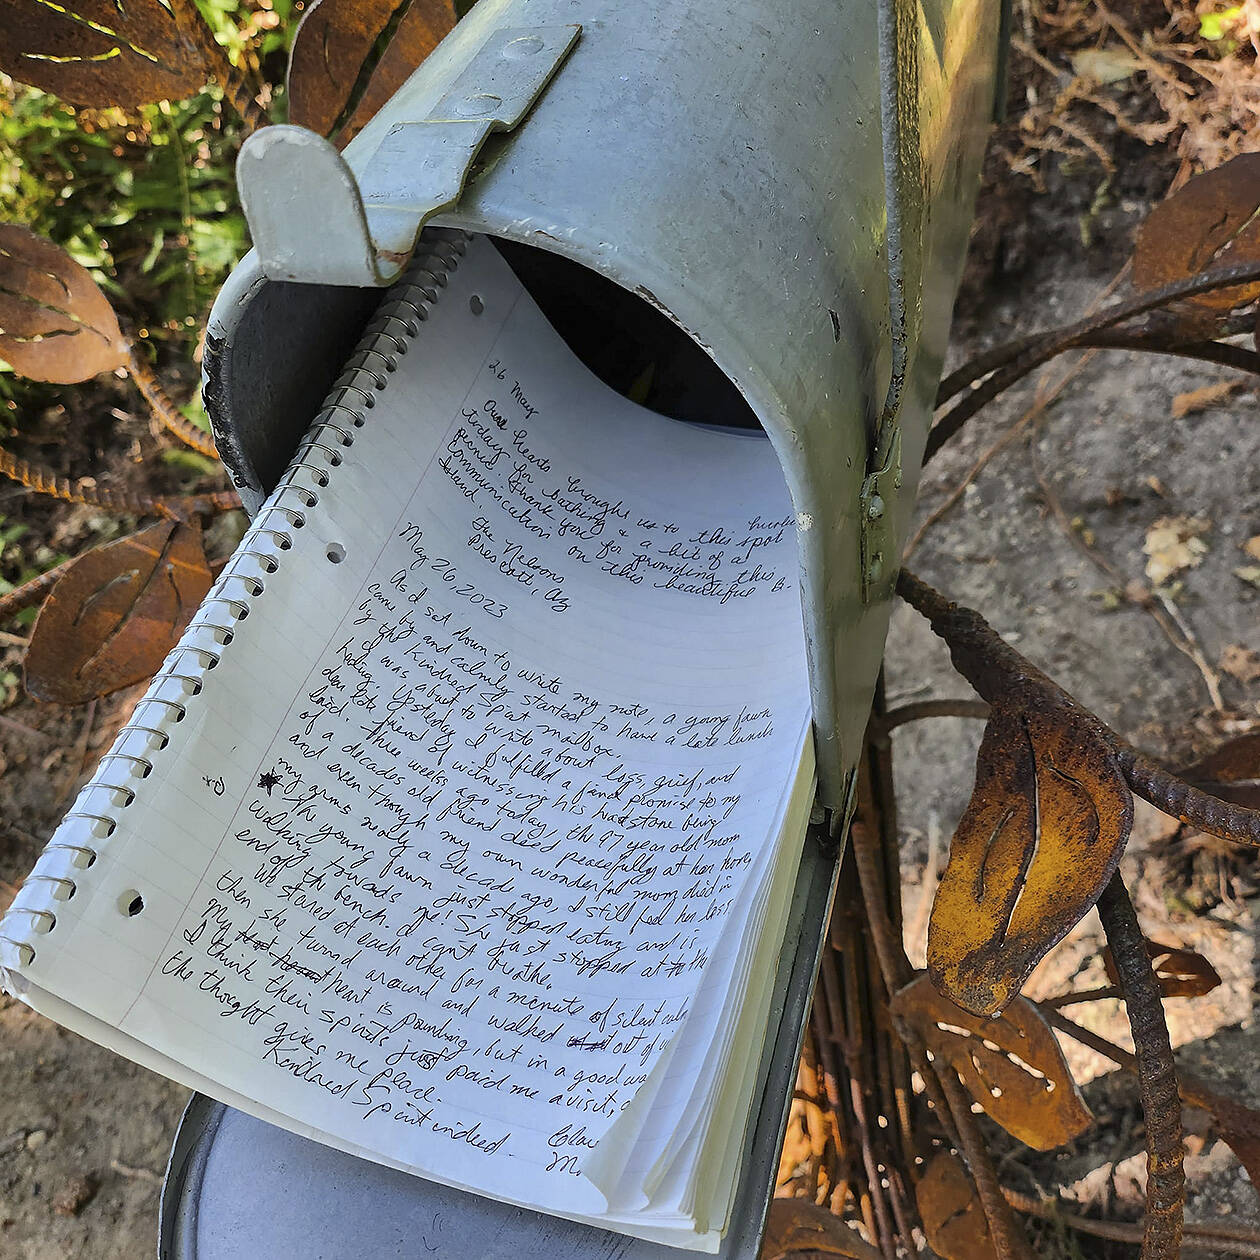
(892, 959)
(84, 490)
(1173, 796)
(31, 592)
(1004, 365)
(1084, 995)
(163, 406)
(1219, 352)
(917, 710)
(848, 1011)
(826, 1039)
(1194, 1091)
(1004, 1230)
(1234, 1242)
(1157, 1074)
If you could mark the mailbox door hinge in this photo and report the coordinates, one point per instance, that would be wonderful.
(307, 210)
(879, 537)
(830, 827)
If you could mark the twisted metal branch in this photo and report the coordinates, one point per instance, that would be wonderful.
(164, 408)
(31, 592)
(1179, 799)
(1004, 365)
(85, 491)
(1157, 1074)
(1235, 1241)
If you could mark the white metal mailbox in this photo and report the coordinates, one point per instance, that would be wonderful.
(782, 193)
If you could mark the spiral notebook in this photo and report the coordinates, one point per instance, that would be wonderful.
(459, 829)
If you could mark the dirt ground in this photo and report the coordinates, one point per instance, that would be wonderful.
(84, 1135)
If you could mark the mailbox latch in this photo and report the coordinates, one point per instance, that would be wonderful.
(420, 167)
(314, 220)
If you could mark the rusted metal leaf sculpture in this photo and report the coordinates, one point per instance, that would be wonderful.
(952, 1216)
(55, 324)
(116, 612)
(1211, 221)
(797, 1227)
(1048, 819)
(1180, 972)
(102, 52)
(1011, 1064)
(334, 82)
(1239, 1127)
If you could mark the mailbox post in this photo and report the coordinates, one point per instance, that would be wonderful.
(791, 187)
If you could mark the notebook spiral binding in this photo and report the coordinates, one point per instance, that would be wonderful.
(77, 843)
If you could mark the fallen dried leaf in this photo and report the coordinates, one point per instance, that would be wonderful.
(116, 612)
(102, 52)
(332, 53)
(55, 324)
(1181, 972)
(1252, 547)
(798, 1227)
(1011, 1064)
(1241, 662)
(1209, 222)
(953, 1218)
(1048, 819)
(1204, 397)
(1174, 544)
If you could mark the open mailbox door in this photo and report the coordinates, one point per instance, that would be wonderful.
(768, 206)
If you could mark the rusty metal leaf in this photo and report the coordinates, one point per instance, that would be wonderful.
(953, 1218)
(1180, 972)
(1048, 819)
(797, 1227)
(1210, 221)
(1011, 1064)
(1239, 1128)
(55, 324)
(333, 51)
(102, 52)
(116, 612)
(1232, 772)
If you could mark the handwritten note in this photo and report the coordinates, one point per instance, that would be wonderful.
(527, 793)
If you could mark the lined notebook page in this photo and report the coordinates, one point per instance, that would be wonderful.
(439, 861)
